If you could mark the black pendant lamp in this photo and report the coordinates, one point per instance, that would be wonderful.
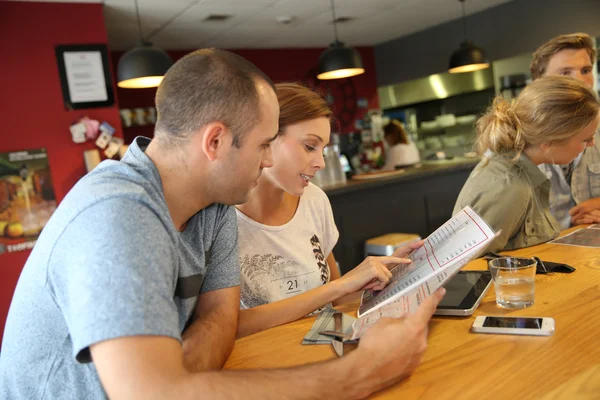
(338, 61)
(144, 66)
(468, 57)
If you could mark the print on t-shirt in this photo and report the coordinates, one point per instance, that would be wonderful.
(268, 278)
(321, 262)
(266, 273)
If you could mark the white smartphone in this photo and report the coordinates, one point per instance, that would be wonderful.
(537, 326)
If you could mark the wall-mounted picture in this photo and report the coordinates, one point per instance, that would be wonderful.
(27, 198)
(84, 75)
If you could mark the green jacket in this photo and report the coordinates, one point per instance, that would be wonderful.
(512, 197)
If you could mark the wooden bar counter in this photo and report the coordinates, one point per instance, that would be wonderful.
(459, 364)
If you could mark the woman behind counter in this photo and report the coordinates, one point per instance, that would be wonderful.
(551, 121)
(402, 151)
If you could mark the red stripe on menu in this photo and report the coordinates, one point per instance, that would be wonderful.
(486, 236)
(476, 245)
(427, 255)
(434, 256)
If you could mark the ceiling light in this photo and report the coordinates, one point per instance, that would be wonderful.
(468, 57)
(339, 61)
(144, 66)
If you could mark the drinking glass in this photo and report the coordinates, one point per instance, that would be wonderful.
(514, 281)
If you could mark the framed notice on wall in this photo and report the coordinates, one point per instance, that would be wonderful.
(84, 75)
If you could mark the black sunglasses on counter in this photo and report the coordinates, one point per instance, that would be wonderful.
(542, 267)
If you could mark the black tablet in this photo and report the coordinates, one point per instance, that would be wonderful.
(464, 292)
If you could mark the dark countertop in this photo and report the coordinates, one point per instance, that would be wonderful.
(425, 168)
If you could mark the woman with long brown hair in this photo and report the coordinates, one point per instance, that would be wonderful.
(551, 122)
(287, 231)
(402, 150)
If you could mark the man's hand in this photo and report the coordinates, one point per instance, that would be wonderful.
(593, 217)
(584, 211)
(392, 349)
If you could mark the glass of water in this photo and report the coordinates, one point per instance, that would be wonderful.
(514, 281)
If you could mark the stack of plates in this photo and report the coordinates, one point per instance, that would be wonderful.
(445, 120)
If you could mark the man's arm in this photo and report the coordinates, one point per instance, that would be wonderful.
(208, 341)
(593, 217)
(148, 367)
(586, 212)
(152, 367)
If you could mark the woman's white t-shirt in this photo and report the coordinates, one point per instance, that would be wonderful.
(401, 154)
(278, 262)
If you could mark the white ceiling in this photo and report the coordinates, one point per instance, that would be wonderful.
(253, 23)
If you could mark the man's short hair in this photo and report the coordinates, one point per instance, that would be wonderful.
(204, 86)
(575, 41)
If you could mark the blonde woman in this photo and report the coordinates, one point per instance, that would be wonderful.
(552, 121)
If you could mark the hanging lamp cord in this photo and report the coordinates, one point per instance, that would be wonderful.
(335, 33)
(139, 21)
(464, 18)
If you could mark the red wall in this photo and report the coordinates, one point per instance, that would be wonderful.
(280, 65)
(31, 104)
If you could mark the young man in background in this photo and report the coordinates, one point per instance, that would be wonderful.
(575, 188)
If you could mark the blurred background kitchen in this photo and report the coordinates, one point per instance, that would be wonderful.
(406, 48)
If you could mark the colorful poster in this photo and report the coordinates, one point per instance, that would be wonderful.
(26, 198)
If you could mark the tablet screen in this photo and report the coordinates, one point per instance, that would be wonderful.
(464, 290)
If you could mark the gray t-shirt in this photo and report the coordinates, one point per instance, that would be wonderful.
(109, 264)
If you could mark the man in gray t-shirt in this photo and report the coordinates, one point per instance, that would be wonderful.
(131, 291)
(110, 263)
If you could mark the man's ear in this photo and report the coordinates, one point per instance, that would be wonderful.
(214, 139)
